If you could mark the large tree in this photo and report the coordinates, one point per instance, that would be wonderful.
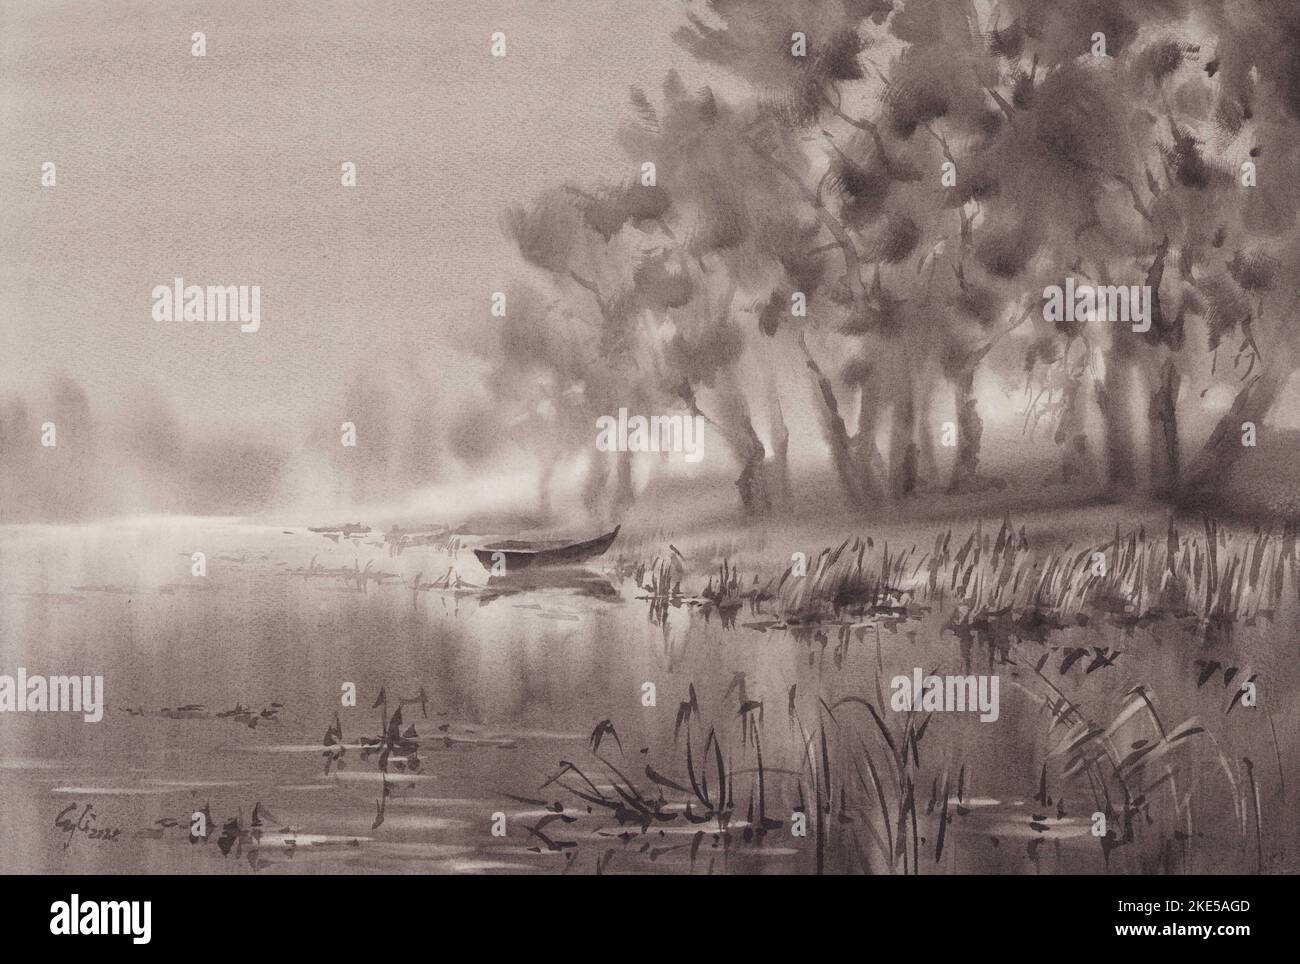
(885, 190)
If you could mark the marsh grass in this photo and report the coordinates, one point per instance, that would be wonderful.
(994, 584)
(855, 768)
(873, 797)
(659, 583)
(853, 792)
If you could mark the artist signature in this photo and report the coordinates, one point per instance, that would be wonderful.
(72, 824)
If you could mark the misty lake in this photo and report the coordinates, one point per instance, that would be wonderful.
(564, 722)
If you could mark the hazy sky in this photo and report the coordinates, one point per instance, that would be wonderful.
(225, 170)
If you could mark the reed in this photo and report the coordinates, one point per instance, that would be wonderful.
(1214, 575)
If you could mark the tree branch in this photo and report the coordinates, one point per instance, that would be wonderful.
(852, 259)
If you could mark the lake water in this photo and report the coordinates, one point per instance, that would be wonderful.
(262, 649)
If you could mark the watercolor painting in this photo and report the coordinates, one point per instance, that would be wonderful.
(684, 437)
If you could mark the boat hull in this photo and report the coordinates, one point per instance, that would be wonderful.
(516, 559)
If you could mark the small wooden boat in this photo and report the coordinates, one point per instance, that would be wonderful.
(519, 554)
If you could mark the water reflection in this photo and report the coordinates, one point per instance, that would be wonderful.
(727, 718)
(580, 582)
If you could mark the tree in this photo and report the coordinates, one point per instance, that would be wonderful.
(891, 189)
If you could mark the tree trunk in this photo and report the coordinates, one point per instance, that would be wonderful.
(1162, 419)
(624, 493)
(544, 480)
(903, 451)
(779, 469)
(1223, 450)
(733, 423)
(857, 478)
(870, 412)
(970, 430)
(1115, 400)
(1076, 460)
(927, 461)
(593, 488)
(752, 484)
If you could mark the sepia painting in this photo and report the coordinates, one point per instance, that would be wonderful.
(712, 437)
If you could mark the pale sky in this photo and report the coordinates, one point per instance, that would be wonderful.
(226, 170)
